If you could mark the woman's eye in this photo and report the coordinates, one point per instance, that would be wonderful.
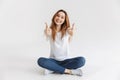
(57, 15)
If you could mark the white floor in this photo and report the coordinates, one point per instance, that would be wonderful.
(16, 66)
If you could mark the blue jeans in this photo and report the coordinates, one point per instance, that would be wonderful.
(60, 66)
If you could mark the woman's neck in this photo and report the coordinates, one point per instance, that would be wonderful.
(58, 27)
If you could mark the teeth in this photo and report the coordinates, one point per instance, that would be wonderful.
(58, 21)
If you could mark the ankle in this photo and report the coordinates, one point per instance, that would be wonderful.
(68, 71)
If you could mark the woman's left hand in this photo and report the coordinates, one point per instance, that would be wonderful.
(70, 30)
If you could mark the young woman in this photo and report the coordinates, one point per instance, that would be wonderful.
(59, 35)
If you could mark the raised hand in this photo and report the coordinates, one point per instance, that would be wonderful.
(47, 30)
(70, 30)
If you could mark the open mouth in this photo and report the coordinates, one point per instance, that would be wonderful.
(58, 21)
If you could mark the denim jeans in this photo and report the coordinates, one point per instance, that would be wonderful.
(60, 66)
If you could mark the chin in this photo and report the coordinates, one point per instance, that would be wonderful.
(59, 24)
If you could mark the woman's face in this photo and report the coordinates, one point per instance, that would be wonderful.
(59, 18)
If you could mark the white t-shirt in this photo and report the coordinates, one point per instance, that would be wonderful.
(59, 49)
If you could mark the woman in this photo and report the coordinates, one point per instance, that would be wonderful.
(59, 35)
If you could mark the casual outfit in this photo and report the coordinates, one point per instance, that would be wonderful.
(58, 60)
(60, 47)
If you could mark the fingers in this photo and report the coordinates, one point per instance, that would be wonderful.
(47, 29)
(73, 26)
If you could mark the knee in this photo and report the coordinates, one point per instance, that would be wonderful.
(81, 61)
(41, 61)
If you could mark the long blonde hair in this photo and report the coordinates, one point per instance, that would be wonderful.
(64, 26)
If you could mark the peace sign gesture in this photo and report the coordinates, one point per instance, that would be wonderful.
(47, 30)
(70, 30)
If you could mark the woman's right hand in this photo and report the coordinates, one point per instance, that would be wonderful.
(47, 30)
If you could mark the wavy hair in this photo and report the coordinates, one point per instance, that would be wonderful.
(64, 26)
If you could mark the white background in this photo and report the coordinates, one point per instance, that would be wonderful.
(22, 23)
